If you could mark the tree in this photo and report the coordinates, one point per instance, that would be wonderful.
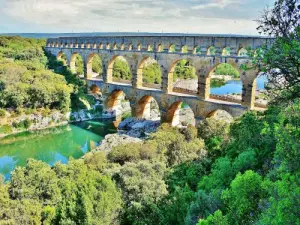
(243, 198)
(121, 70)
(184, 70)
(143, 186)
(88, 197)
(79, 65)
(97, 65)
(281, 61)
(282, 20)
(152, 74)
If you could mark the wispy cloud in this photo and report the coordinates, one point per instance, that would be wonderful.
(194, 16)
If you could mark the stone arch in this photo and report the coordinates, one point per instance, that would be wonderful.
(61, 45)
(172, 48)
(220, 114)
(226, 51)
(94, 46)
(139, 47)
(56, 44)
(73, 61)
(211, 50)
(89, 64)
(122, 47)
(149, 48)
(88, 45)
(110, 66)
(107, 46)
(71, 45)
(170, 83)
(148, 108)
(184, 49)
(62, 56)
(115, 46)
(82, 45)
(207, 82)
(76, 45)
(140, 70)
(178, 115)
(100, 45)
(197, 49)
(116, 104)
(242, 52)
(66, 45)
(159, 48)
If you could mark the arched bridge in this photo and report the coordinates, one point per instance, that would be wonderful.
(167, 51)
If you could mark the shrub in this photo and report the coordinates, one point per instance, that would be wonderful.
(5, 129)
(2, 113)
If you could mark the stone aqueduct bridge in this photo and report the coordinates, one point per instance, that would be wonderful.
(167, 51)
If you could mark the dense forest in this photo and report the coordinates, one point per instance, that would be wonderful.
(218, 173)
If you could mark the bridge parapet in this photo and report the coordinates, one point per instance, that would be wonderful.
(190, 44)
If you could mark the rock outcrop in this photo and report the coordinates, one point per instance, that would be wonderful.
(138, 127)
(112, 140)
(221, 115)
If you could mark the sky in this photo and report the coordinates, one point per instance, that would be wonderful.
(167, 16)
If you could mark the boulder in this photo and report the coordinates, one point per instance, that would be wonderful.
(112, 140)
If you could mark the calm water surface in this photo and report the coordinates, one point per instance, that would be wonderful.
(51, 145)
(235, 86)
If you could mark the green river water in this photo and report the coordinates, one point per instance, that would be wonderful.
(52, 145)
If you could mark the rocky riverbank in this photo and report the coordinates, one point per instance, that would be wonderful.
(13, 122)
(130, 130)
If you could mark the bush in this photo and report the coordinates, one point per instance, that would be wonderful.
(121, 70)
(2, 113)
(227, 69)
(152, 74)
(5, 129)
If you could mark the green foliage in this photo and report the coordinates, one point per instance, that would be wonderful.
(282, 206)
(2, 113)
(121, 70)
(211, 51)
(142, 185)
(79, 65)
(24, 124)
(65, 194)
(227, 69)
(214, 133)
(87, 196)
(280, 61)
(215, 219)
(175, 148)
(242, 199)
(214, 83)
(152, 74)
(184, 70)
(5, 129)
(132, 152)
(97, 64)
(24, 81)
(202, 206)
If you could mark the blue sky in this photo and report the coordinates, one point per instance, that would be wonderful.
(192, 16)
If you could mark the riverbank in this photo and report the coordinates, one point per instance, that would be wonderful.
(15, 122)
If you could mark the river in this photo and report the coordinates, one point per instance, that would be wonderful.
(52, 145)
(235, 86)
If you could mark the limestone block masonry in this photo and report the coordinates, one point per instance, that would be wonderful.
(167, 51)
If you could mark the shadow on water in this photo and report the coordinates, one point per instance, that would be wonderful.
(52, 145)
